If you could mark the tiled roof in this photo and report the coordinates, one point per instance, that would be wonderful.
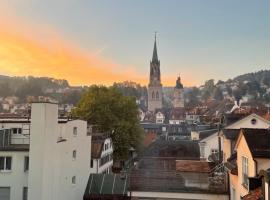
(96, 148)
(185, 149)
(231, 134)
(258, 141)
(207, 133)
(194, 166)
(256, 194)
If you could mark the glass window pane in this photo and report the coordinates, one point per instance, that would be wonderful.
(2, 161)
(8, 163)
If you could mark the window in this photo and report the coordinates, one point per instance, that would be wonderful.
(75, 131)
(16, 131)
(253, 121)
(157, 95)
(214, 151)
(153, 95)
(91, 163)
(5, 163)
(245, 171)
(25, 193)
(26, 163)
(74, 154)
(73, 180)
(105, 159)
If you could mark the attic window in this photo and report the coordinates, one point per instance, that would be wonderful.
(253, 121)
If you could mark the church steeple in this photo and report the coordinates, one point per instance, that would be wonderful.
(155, 55)
(155, 87)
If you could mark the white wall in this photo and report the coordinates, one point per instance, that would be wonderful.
(17, 178)
(51, 164)
(175, 195)
(210, 143)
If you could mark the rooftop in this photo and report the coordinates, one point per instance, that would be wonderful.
(258, 141)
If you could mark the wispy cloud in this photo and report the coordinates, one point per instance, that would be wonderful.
(39, 50)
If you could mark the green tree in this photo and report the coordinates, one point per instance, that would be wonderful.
(112, 112)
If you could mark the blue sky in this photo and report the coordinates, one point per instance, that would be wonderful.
(199, 39)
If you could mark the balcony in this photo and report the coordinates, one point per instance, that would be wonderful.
(9, 141)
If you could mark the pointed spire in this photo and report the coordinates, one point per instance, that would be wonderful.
(155, 56)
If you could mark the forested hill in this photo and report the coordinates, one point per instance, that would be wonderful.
(262, 76)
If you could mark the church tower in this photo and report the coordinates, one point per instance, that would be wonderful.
(154, 86)
(178, 94)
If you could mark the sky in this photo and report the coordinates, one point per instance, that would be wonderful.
(106, 41)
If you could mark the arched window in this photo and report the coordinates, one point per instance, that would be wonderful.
(153, 95)
(157, 95)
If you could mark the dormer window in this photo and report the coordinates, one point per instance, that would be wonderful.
(253, 121)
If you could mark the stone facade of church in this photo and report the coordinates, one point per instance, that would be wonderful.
(155, 94)
(178, 95)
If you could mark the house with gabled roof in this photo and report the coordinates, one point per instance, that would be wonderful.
(251, 154)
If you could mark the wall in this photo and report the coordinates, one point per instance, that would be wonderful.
(51, 162)
(243, 150)
(42, 174)
(246, 123)
(109, 164)
(168, 195)
(17, 178)
(211, 142)
(154, 103)
(226, 148)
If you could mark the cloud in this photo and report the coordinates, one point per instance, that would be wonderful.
(39, 50)
(29, 49)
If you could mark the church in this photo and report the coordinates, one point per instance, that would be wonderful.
(155, 94)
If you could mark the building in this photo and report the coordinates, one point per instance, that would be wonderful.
(251, 155)
(210, 144)
(155, 94)
(178, 94)
(259, 186)
(49, 159)
(160, 117)
(101, 154)
(173, 170)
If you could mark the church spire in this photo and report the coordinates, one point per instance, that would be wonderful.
(155, 56)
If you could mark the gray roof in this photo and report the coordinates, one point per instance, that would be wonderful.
(106, 184)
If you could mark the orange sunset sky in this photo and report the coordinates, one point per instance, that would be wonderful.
(96, 42)
(39, 50)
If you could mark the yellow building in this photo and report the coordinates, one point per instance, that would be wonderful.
(250, 155)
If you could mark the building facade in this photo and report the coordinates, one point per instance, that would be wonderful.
(49, 159)
(155, 94)
(178, 94)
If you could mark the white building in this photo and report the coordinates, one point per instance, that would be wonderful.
(160, 117)
(101, 154)
(52, 164)
(210, 144)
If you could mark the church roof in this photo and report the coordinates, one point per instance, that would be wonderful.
(155, 55)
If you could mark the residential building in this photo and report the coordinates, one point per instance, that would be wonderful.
(101, 154)
(251, 154)
(211, 143)
(173, 170)
(160, 117)
(44, 157)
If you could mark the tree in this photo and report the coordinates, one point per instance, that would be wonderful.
(218, 94)
(115, 113)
